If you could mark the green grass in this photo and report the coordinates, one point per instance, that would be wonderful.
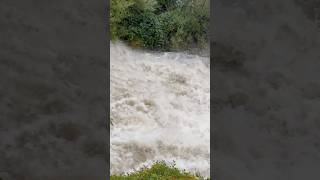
(158, 171)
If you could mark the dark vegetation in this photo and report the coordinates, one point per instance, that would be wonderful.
(160, 24)
(159, 170)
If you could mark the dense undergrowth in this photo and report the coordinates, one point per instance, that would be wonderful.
(160, 24)
(159, 171)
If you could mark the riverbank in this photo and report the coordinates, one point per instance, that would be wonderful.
(159, 170)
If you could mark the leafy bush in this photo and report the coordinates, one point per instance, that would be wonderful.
(142, 28)
(145, 5)
(118, 11)
(160, 24)
(160, 170)
(166, 5)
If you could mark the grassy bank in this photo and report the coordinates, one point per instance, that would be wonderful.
(158, 171)
(160, 24)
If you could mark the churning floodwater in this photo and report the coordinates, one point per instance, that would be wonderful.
(160, 110)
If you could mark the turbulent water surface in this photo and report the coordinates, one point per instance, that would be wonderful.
(160, 110)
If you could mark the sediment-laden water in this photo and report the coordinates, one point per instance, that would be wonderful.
(160, 109)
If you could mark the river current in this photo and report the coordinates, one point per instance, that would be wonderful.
(160, 110)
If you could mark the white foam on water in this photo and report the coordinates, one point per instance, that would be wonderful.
(160, 109)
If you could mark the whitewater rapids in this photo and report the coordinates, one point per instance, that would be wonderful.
(160, 110)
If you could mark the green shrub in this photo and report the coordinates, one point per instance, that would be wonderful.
(144, 28)
(166, 5)
(118, 10)
(161, 24)
(159, 171)
(145, 5)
